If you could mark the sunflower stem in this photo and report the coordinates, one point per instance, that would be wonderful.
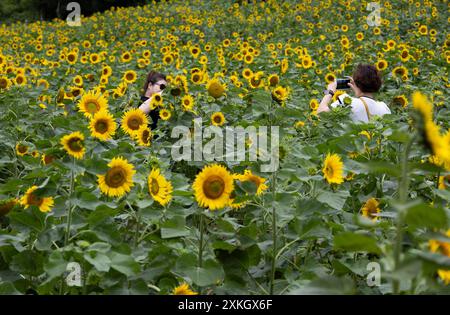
(200, 248)
(437, 179)
(402, 195)
(69, 215)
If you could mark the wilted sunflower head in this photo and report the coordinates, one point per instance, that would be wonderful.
(215, 88)
(6, 205)
(370, 209)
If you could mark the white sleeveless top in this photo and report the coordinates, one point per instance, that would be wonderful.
(358, 109)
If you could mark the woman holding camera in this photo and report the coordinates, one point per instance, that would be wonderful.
(155, 84)
(365, 82)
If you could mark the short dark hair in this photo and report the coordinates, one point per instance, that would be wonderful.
(367, 78)
(153, 77)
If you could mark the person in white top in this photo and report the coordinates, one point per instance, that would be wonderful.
(365, 82)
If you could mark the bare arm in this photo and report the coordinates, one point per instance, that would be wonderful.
(323, 106)
(145, 107)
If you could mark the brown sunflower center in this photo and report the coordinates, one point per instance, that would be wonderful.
(115, 177)
(145, 136)
(134, 123)
(101, 126)
(48, 159)
(75, 144)
(213, 187)
(329, 171)
(154, 186)
(3, 83)
(130, 76)
(34, 200)
(92, 107)
(217, 119)
(22, 148)
(273, 81)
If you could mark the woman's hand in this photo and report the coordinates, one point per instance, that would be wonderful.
(353, 86)
(332, 86)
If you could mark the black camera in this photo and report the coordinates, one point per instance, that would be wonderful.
(342, 84)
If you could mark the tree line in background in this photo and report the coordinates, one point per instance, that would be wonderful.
(30, 10)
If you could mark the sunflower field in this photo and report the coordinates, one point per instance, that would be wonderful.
(92, 201)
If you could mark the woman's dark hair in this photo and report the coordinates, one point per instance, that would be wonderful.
(367, 78)
(153, 77)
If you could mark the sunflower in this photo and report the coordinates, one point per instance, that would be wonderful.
(78, 80)
(370, 209)
(20, 79)
(423, 30)
(213, 186)
(400, 71)
(132, 120)
(187, 102)
(255, 179)
(217, 119)
(94, 58)
(74, 144)
(125, 57)
(5, 83)
(284, 65)
(381, 65)
(72, 57)
(102, 126)
(314, 104)
(156, 101)
(280, 93)
(118, 180)
(144, 136)
(404, 55)
(130, 76)
(47, 159)
(423, 106)
(165, 114)
(21, 149)
(197, 77)
(215, 88)
(7, 205)
(159, 187)
(45, 204)
(442, 247)
(273, 80)
(401, 100)
(333, 169)
(330, 77)
(247, 73)
(183, 289)
(91, 103)
(444, 182)
(256, 80)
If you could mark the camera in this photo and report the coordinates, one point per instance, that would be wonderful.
(342, 84)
